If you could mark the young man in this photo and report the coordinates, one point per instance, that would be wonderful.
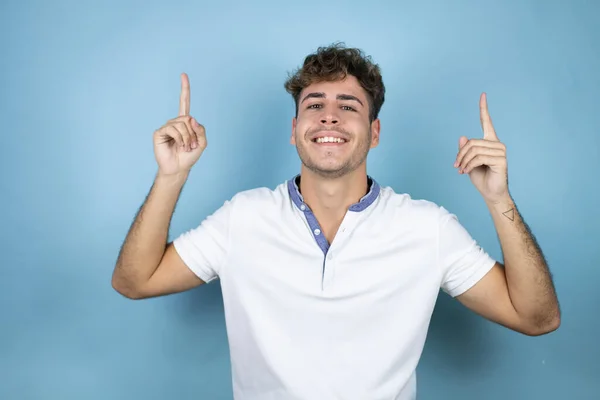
(329, 280)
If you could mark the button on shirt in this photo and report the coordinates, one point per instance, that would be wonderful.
(308, 319)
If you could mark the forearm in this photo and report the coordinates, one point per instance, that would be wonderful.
(529, 281)
(146, 240)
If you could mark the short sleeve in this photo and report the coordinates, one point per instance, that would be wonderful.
(204, 249)
(462, 260)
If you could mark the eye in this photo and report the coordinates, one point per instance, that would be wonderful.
(313, 106)
(348, 108)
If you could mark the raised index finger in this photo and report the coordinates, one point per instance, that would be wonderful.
(184, 99)
(486, 122)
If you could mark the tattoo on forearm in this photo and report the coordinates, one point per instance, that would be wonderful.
(525, 253)
(510, 214)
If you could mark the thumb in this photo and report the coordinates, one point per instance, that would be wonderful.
(462, 141)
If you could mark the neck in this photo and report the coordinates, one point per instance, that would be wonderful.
(333, 196)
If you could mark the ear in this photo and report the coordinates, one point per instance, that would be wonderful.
(293, 138)
(375, 129)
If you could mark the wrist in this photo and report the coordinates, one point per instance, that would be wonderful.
(501, 205)
(171, 180)
(502, 199)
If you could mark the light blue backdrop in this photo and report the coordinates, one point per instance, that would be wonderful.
(84, 85)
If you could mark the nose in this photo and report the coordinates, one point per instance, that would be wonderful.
(329, 114)
(329, 119)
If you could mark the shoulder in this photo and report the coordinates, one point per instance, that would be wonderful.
(405, 206)
(254, 209)
(259, 198)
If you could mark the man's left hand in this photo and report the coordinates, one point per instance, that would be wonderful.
(485, 159)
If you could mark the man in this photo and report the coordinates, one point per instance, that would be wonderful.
(329, 280)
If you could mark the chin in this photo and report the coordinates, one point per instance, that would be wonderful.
(328, 171)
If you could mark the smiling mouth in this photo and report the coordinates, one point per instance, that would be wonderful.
(329, 140)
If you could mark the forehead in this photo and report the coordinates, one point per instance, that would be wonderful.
(348, 85)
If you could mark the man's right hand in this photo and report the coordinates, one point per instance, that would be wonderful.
(180, 142)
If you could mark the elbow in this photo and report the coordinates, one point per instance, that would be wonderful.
(545, 328)
(125, 290)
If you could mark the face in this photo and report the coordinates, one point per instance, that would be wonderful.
(332, 132)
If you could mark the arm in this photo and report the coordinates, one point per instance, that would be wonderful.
(147, 266)
(519, 294)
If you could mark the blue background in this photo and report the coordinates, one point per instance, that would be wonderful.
(85, 84)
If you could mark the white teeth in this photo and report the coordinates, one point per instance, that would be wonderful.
(328, 139)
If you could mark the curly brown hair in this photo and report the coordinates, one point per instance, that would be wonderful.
(333, 63)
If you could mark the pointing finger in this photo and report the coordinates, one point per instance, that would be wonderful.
(184, 99)
(486, 121)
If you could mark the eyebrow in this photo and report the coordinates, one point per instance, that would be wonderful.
(321, 95)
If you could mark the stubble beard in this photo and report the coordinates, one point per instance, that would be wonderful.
(358, 156)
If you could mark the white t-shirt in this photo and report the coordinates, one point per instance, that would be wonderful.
(312, 321)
